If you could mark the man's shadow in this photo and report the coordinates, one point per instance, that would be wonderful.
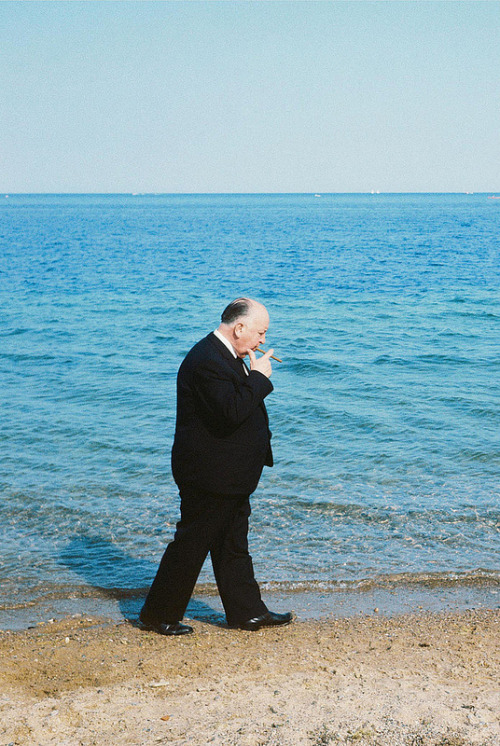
(107, 569)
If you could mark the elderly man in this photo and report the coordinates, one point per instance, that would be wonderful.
(222, 442)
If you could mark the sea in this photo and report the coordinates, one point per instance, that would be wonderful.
(385, 312)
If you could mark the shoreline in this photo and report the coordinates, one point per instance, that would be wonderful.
(309, 601)
(426, 679)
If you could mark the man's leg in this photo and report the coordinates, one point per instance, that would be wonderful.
(182, 560)
(232, 564)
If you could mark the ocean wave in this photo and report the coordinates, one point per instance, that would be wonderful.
(370, 513)
(479, 578)
(475, 578)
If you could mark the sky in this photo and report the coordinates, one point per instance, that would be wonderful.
(230, 96)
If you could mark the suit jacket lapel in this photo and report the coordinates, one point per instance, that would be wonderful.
(235, 362)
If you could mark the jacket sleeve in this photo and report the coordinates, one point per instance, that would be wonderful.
(226, 399)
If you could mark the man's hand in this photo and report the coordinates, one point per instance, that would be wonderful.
(262, 364)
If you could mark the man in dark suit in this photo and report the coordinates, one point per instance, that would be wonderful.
(222, 442)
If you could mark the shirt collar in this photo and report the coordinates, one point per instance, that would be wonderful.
(225, 342)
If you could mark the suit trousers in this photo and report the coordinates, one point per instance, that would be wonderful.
(215, 524)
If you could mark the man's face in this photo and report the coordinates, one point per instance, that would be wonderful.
(250, 331)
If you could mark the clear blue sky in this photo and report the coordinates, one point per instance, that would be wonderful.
(249, 96)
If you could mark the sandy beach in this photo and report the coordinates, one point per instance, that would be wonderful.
(412, 680)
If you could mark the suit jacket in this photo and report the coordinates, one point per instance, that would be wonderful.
(222, 437)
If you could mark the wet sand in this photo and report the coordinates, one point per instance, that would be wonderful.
(411, 680)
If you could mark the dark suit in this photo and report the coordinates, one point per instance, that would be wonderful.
(221, 444)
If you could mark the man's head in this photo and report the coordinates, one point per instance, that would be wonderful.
(244, 322)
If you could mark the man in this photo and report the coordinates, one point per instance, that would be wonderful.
(221, 444)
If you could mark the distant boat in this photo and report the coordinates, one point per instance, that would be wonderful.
(494, 196)
(317, 195)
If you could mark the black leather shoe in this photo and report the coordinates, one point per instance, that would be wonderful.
(269, 619)
(177, 628)
(163, 628)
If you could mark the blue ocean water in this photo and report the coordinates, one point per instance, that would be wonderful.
(386, 312)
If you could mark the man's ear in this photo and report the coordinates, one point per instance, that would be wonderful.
(238, 329)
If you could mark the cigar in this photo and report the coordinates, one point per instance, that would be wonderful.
(272, 356)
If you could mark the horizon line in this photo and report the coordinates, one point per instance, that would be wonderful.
(372, 192)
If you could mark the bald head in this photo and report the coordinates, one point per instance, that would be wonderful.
(239, 308)
(244, 322)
